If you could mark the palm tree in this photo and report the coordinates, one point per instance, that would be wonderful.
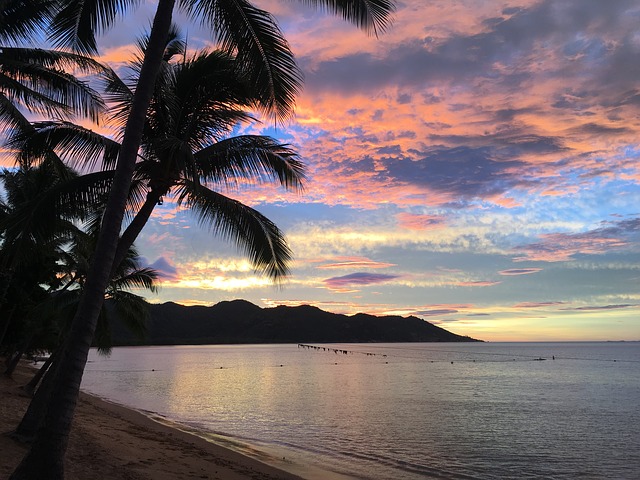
(39, 225)
(40, 211)
(37, 81)
(30, 247)
(241, 28)
(124, 306)
(186, 151)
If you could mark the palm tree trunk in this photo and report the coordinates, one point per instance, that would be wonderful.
(6, 323)
(45, 459)
(34, 416)
(16, 358)
(30, 387)
(5, 280)
(135, 227)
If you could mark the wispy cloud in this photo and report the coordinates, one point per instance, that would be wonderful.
(360, 279)
(519, 271)
(537, 304)
(354, 262)
(603, 307)
(477, 283)
(558, 247)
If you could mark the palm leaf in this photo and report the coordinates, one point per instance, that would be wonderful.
(76, 24)
(11, 118)
(251, 157)
(39, 80)
(22, 19)
(52, 59)
(140, 278)
(264, 54)
(133, 312)
(80, 146)
(253, 233)
(102, 337)
(373, 16)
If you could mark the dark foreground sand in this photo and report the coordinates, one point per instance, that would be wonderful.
(110, 442)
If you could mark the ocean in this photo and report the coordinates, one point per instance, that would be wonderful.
(403, 411)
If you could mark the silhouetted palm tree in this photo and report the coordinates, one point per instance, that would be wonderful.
(41, 214)
(124, 306)
(187, 154)
(33, 229)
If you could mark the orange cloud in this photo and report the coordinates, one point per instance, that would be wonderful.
(412, 221)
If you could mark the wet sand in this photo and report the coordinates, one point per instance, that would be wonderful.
(111, 442)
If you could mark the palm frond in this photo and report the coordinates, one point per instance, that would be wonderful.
(23, 19)
(264, 54)
(102, 338)
(252, 233)
(251, 157)
(51, 59)
(373, 16)
(133, 311)
(40, 80)
(79, 145)
(11, 118)
(118, 94)
(76, 24)
(33, 100)
(140, 278)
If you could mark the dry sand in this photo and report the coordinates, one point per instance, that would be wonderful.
(110, 442)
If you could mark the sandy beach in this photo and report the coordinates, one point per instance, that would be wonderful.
(110, 442)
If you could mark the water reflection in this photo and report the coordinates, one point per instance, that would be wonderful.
(495, 412)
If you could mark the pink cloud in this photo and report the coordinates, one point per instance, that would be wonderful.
(560, 247)
(166, 270)
(359, 279)
(411, 221)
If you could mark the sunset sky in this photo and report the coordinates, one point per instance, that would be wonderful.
(476, 166)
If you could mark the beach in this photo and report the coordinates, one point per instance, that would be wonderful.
(111, 442)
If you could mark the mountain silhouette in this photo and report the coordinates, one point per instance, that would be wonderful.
(239, 321)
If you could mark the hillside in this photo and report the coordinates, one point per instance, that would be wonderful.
(240, 321)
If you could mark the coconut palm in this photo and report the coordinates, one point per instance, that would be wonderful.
(30, 247)
(186, 152)
(253, 35)
(41, 238)
(40, 210)
(123, 306)
(37, 81)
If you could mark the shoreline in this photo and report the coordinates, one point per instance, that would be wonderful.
(113, 442)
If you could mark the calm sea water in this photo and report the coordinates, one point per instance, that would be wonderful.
(398, 411)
